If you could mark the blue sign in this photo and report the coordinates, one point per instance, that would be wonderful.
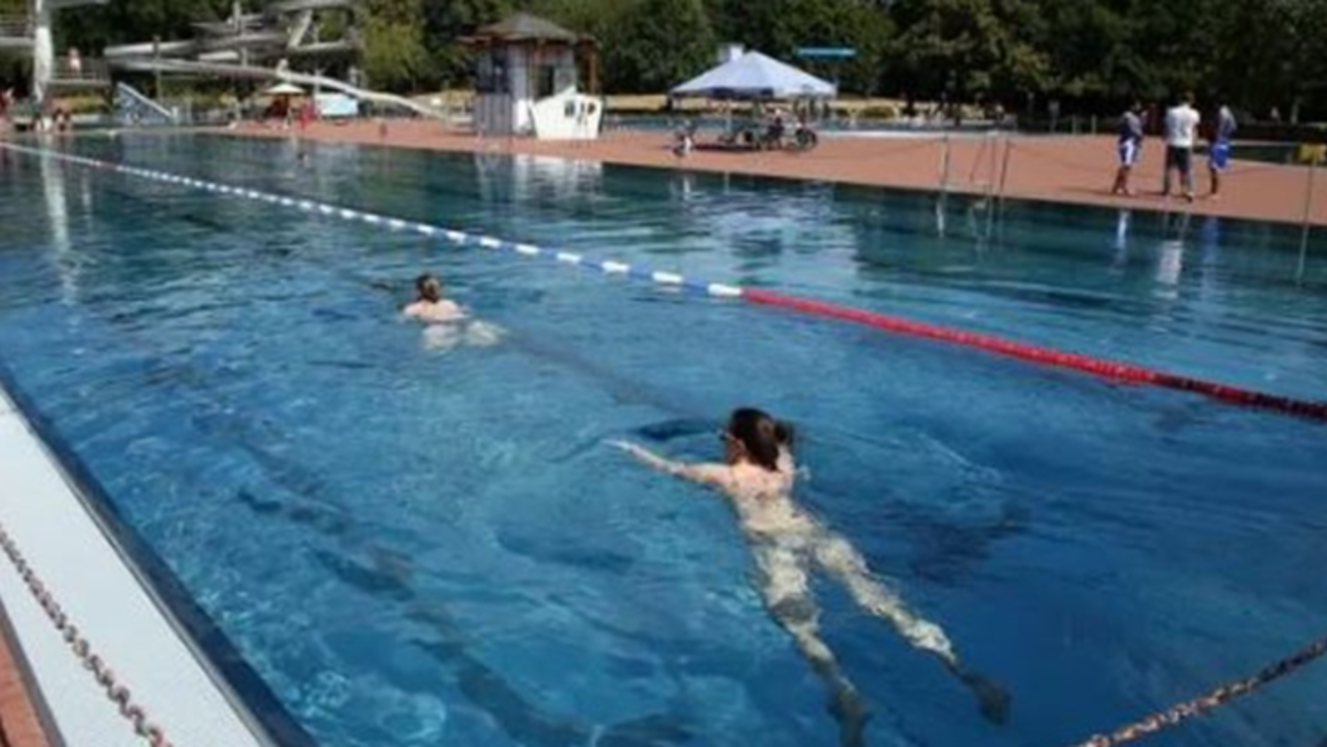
(332, 105)
(827, 53)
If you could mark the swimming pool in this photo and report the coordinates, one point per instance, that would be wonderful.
(414, 547)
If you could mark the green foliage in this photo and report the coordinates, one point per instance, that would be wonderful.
(1090, 54)
(446, 21)
(127, 21)
(395, 55)
(657, 44)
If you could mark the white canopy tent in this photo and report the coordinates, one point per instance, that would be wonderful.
(284, 88)
(756, 77)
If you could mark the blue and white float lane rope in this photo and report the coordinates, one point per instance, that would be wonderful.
(1104, 368)
(460, 238)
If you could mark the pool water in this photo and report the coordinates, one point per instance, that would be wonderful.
(414, 546)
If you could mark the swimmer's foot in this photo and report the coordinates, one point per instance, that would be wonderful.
(993, 700)
(851, 713)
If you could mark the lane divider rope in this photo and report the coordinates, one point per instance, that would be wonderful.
(1197, 706)
(396, 224)
(81, 648)
(1100, 367)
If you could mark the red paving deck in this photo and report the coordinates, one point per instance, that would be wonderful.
(1069, 169)
(20, 725)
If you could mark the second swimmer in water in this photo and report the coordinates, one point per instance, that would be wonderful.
(447, 323)
(757, 476)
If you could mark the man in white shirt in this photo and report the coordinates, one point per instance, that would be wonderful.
(1181, 133)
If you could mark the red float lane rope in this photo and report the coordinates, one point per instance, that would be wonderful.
(1106, 369)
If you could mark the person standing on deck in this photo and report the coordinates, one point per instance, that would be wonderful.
(1181, 132)
(1218, 158)
(1130, 148)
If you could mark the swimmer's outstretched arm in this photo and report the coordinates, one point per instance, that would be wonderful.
(705, 474)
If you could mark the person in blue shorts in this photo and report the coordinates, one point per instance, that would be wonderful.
(1218, 158)
(1130, 147)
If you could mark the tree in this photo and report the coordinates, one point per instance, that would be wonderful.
(780, 27)
(659, 44)
(395, 56)
(970, 49)
(96, 27)
(446, 21)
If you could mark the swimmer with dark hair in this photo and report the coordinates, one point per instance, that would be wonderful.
(429, 306)
(757, 475)
(447, 323)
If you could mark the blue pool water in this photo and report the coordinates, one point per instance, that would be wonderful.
(414, 547)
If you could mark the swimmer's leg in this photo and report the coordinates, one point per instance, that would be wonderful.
(788, 598)
(440, 337)
(839, 558)
(483, 334)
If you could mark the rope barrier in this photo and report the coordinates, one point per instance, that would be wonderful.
(102, 673)
(1197, 706)
(573, 259)
(1104, 368)
(1107, 369)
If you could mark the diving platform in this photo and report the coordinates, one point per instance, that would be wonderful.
(86, 74)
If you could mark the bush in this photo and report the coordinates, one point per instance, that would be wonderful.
(878, 111)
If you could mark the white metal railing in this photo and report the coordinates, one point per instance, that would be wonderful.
(68, 70)
(15, 27)
(134, 107)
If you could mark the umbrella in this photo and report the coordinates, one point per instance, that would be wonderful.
(284, 89)
(756, 76)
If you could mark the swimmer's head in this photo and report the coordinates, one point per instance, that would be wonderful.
(753, 435)
(428, 287)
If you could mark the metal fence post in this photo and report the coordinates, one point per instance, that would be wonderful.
(1004, 167)
(1308, 215)
(944, 164)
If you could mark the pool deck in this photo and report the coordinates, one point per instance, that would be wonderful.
(1066, 169)
(49, 695)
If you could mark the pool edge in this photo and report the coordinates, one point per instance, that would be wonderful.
(239, 686)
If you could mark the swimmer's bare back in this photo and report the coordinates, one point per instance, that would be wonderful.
(434, 312)
(785, 538)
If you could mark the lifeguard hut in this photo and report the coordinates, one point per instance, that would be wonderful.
(527, 74)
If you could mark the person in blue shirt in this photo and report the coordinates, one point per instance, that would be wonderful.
(1130, 148)
(1218, 159)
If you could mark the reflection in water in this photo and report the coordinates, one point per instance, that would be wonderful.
(57, 214)
(684, 185)
(1170, 265)
(526, 177)
(1209, 244)
(1170, 262)
(1122, 241)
